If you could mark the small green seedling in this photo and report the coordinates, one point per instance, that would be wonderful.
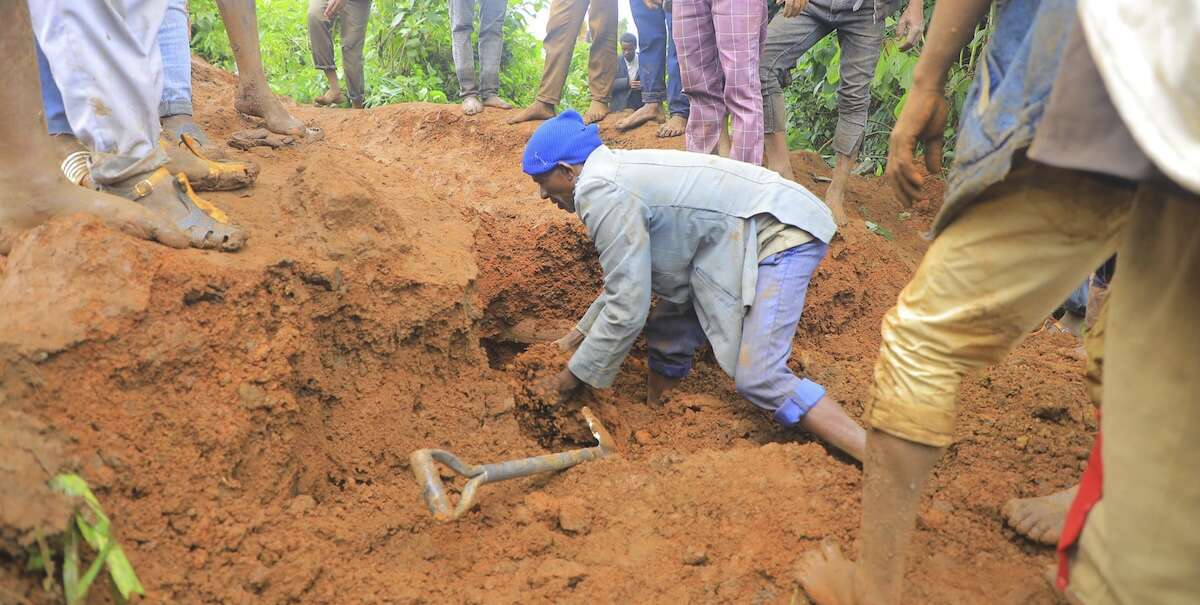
(93, 527)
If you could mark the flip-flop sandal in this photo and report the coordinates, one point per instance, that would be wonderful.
(206, 225)
(222, 175)
(261, 137)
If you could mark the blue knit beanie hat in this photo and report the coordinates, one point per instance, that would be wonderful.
(563, 138)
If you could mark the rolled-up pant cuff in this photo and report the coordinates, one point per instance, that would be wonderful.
(167, 109)
(807, 394)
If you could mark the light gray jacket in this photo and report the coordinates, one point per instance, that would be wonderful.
(678, 225)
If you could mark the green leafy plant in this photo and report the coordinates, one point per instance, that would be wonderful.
(91, 526)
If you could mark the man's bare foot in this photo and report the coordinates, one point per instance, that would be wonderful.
(171, 197)
(595, 112)
(827, 576)
(539, 110)
(676, 125)
(645, 113)
(266, 106)
(471, 105)
(1040, 519)
(833, 199)
(496, 102)
(333, 96)
(37, 200)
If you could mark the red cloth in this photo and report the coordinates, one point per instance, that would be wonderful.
(1090, 490)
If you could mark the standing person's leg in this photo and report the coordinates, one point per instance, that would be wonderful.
(673, 333)
(320, 40)
(762, 374)
(562, 28)
(861, 37)
(32, 188)
(175, 107)
(787, 40)
(700, 72)
(491, 47)
(353, 20)
(677, 102)
(985, 282)
(462, 23)
(101, 54)
(1139, 544)
(602, 57)
(741, 29)
(254, 95)
(652, 69)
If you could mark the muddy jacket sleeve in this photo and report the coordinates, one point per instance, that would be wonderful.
(619, 225)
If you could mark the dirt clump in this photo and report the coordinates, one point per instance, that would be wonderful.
(252, 413)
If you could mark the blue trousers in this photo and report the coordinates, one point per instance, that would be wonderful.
(673, 333)
(660, 82)
(173, 44)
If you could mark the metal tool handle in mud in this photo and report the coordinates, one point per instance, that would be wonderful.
(434, 491)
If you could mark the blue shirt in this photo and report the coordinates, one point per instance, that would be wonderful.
(1007, 98)
(681, 226)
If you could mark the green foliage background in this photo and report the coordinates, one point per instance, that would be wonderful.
(407, 51)
(408, 59)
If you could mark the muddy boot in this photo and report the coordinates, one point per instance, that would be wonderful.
(205, 174)
(331, 97)
(174, 127)
(471, 105)
(206, 226)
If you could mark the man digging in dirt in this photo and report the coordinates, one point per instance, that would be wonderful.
(115, 116)
(710, 237)
(1057, 166)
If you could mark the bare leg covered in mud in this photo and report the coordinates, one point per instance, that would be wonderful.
(836, 193)
(32, 189)
(1040, 519)
(895, 471)
(254, 96)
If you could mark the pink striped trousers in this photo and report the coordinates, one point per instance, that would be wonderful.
(719, 44)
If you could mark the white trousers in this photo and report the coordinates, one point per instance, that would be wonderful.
(104, 56)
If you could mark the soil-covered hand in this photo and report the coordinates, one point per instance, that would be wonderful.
(559, 386)
(570, 341)
(793, 8)
(911, 25)
(922, 120)
(333, 8)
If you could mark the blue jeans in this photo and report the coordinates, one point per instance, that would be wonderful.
(673, 333)
(173, 44)
(177, 72)
(655, 42)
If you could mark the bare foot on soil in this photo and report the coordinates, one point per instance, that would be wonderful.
(496, 102)
(277, 119)
(538, 111)
(645, 113)
(833, 198)
(1039, 519)
(595, 112)
(675, 127)
(331, 97)
(827, 576)
(471, 105)
(32, 203)
(658, 387)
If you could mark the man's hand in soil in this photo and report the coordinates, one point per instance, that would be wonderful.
(793, 8)
(564, 384)
(333, 8)
(911, 24)
(922, 120)
(571, 341)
